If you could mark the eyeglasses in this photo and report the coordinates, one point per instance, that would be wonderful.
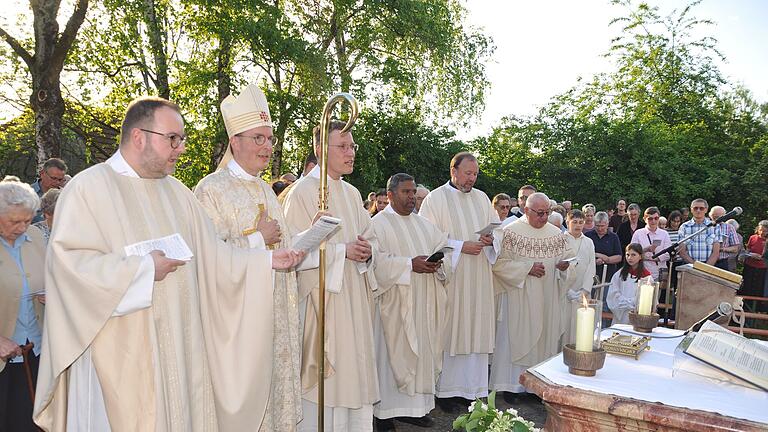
(652, 217)
(260, 139)
(698, 208)
(176, 140)
(56, 179)
(505, 206)
(541, 213)
(346, 147)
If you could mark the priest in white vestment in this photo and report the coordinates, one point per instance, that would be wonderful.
(145, 342)
(581, 271)
(530, 277)
(411, 308)
(460, 211)
(351, 384)
(245, 212)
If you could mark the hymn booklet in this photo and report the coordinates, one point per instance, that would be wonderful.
(732, 353)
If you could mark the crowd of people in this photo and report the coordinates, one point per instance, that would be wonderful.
(432, 296)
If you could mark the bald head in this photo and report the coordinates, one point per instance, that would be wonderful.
(537, 198)
(537, 209)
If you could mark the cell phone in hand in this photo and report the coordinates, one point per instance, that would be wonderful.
(435, 257)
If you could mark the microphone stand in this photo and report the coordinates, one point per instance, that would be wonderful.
(672, 251)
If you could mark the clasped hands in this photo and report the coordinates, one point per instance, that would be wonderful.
(419, 264)
(475, 247)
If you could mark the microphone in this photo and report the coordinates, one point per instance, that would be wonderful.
(722, 310)
(735, 212)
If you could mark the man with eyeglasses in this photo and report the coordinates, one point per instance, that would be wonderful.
(246, 213)
(522, 195)
(704, 247)
(351, 384)
(143, 341)
(52, 176)
(460, 210)
(530, 277)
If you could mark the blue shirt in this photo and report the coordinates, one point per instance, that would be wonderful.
(27, 327)
(38, 188)
(699, 248)
(609, 245)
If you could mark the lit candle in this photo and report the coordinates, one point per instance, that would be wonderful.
(585, 326)
(645, 299)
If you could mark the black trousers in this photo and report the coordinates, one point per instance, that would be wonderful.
(15, 400)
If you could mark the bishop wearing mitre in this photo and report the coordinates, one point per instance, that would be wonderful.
(245, 212)
(530, 276)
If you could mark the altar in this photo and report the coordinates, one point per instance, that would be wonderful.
(644, 395)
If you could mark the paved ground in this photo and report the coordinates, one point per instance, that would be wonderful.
(528, 406)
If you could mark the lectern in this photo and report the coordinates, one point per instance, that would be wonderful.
(700, 289)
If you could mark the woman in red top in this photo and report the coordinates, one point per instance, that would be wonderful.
(754, 265)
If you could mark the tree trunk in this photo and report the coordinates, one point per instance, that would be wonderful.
(156, 43)
(224, 87)
(48, 106)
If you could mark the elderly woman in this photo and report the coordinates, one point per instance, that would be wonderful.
(22, 257)
(589, 216)
(47, 207)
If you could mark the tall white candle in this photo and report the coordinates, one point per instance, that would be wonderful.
(645, 299)
(585, 328)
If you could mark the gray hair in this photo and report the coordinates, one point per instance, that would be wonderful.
(714, 209)
(734, 223)
(17, 194)
(48, 201)
(421, 187)
(763, 223)
(537, 196)
(600, 217)
(555, 219)
(634, 206)
(586, 207)
(395, 180)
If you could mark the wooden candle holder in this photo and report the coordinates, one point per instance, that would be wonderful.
(644, 323)
(583, 363)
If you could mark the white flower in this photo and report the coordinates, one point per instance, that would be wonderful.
(512, 411)
(471, 406)
(484, 407)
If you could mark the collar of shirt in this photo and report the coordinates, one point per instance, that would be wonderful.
(315, 173)
(16, 244)
(389, 209)
(455, 189)
(118, 163)
(236, 170)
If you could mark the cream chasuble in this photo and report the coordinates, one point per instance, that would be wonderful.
(153, 365)
(234, 200)
(581, 277)
(351, 380)
(413, 314)
(532, 310)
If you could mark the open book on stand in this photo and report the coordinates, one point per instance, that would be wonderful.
(729, 352)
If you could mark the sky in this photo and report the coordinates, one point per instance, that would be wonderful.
(544, 46)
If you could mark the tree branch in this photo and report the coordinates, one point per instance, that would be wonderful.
(17, 48)
(69, 34)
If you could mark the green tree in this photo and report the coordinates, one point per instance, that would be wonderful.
(45, 64)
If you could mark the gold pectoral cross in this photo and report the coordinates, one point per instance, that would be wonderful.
(262, 209)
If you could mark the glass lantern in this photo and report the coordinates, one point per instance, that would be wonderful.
(646, 296)
(586, 324)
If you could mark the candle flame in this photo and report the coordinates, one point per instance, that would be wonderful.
(584, 301)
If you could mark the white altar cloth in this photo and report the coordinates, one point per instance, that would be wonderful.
(650, 379)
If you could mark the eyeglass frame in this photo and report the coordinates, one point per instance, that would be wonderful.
(346, 147)
(273, 139)
(541, 213)
(170, 136)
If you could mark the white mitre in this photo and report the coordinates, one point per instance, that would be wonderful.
(246, 111)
